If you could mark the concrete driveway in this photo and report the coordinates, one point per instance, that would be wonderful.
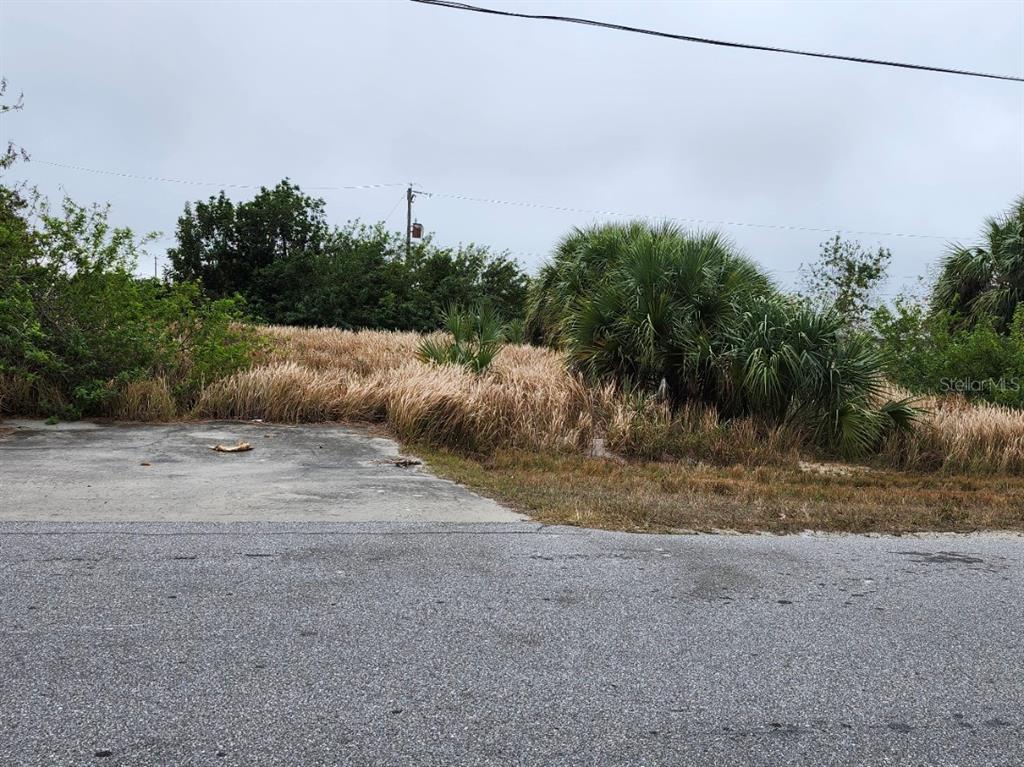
(488, 641)
(87, 472)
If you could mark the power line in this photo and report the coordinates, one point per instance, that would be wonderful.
(162, 179)
(702, 221)
(521, 204)
(709, 41)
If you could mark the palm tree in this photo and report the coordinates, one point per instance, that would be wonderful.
(658, 312)
(580, 259)
(658, 309)
(790, 363)
(476, 337)
(986, 280)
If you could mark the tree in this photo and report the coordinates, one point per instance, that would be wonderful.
(226, 245)
(22, 341)
(77, 325)
(985, 280)
(440, 278)
(845, 278)
(21, 337)
(278, 252)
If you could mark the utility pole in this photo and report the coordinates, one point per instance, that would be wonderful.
(409, 197)
(155, 275)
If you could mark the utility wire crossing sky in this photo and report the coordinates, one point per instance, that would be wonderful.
(492, 201)
(709, 41)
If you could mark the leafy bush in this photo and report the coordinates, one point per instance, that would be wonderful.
(476, 339)
(659, 310)
(969, 338)
(77, 326)
(935, 352)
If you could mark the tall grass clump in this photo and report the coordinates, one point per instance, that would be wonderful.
(640, 426)
(957, 436)
(526, 398)
(684, 317)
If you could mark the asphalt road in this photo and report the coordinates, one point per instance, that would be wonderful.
(419, 642)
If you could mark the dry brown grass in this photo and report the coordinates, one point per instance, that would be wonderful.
(148, 400)
(958, 436)
(654, 496)
(145, 401)
(649, 430)
(528, 400)
(525, 400)
(19, 395)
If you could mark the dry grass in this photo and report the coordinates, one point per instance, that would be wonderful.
(651, 431)
(145, 401)
(528, 400)
(19, 395)
(958, 436)
(658, 496)
(148, 400)
(525, 400)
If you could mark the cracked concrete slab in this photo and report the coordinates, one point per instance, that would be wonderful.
(90, 472)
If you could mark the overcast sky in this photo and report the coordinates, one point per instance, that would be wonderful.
(347, 93)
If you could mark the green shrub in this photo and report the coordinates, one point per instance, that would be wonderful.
(794, 365)
(77, 325)
(969, 338)
(937, 353)
(476, 338)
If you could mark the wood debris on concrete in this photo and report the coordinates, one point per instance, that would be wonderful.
(241, 447)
